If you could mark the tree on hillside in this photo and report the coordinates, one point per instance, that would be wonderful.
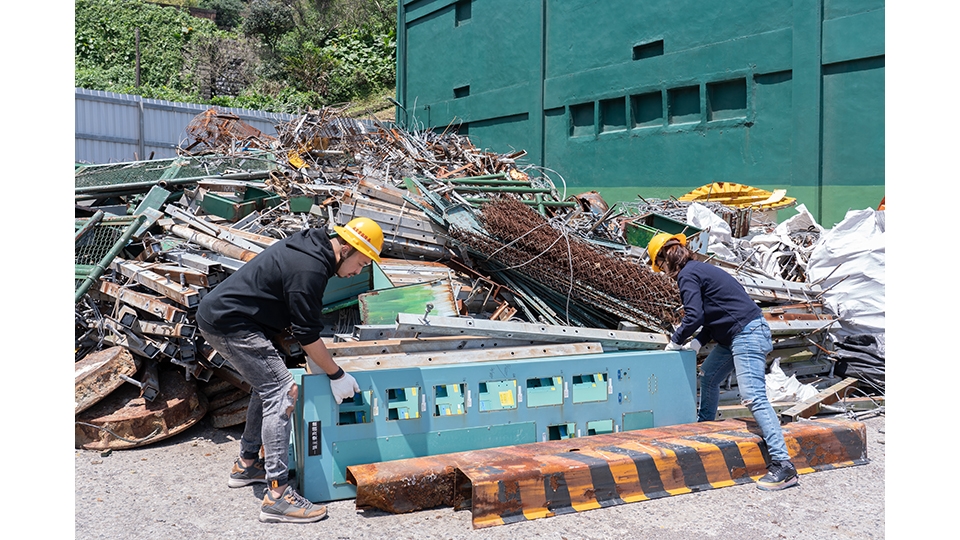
(229, 12)
(268, 20)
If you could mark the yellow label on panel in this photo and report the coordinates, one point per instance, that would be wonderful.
(413, 391)
(506, 398)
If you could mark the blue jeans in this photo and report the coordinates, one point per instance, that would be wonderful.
(748, 355)
(272, 398)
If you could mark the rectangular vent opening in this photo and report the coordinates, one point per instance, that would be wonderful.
(462, 91)
(683, 105)
(727, 99)
(648, 50)
(581, 120)
(464, 11)
(613, 115)
(647, 109)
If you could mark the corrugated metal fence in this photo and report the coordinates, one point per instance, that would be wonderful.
(117, 128)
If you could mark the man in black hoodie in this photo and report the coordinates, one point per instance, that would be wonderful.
(281, 288)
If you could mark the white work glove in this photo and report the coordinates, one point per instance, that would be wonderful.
(344, 387)
(671, 346)
(694, 346)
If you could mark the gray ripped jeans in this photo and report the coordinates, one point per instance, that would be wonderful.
(272, 397)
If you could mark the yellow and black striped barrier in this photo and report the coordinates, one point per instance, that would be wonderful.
(531, 481)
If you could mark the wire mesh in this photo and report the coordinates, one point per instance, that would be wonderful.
(91, 248)
(166, 169)
(523, 241)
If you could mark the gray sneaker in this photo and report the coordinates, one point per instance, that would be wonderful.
(291, 507)
(244, 476)
(780, 475)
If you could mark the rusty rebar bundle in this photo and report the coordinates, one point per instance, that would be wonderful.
(522, 241)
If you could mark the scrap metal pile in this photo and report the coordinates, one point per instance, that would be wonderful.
(483, 235)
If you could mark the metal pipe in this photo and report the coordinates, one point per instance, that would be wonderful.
(89, 225)
(255, 175)
(504, 189)
(214, 244)
(475, 182)
(481, 200)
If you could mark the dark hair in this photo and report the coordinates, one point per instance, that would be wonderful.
(673, 257)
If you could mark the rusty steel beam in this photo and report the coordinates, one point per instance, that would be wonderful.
(185, 275)
(183, 294)
(145, 302)
(158, 328)
(530, 481)
(119, 336)
(149, 383)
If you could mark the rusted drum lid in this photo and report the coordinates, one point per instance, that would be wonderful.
(125, 420)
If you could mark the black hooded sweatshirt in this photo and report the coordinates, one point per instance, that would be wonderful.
(282, 287)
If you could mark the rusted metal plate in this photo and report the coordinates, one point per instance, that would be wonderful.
(215, 386)
(232, 414)
(100, 373)
(406, 485)
(531, 481)
(126, 420)
(224, 398)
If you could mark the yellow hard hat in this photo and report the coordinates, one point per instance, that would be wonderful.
(364, 234)
(657, 242)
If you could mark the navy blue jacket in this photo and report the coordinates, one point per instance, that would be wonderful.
(715, 300)
(279, 288)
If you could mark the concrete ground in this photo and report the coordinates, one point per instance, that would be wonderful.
(177, 489)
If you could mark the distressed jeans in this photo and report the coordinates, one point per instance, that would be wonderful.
(748, 355)
(272, 398)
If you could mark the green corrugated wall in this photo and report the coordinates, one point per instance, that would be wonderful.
(659, 97)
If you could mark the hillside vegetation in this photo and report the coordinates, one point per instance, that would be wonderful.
(274, 55)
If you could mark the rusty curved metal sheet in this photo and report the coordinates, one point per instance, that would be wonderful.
(532, 481)
(125, 420)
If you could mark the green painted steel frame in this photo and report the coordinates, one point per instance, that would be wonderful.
(644, 389)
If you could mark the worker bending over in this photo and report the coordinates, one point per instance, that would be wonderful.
(281, 288)
(714, 300)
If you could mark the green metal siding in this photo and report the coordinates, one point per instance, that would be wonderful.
(657, 98)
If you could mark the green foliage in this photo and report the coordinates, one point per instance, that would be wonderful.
(316, 52)
(106, 44)
(269, 20)
(229, 12)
